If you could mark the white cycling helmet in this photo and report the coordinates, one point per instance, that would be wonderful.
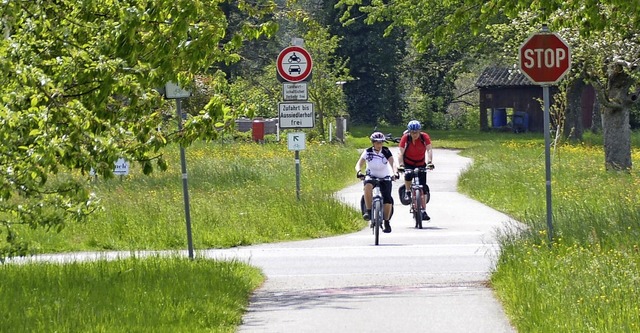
(377, 137)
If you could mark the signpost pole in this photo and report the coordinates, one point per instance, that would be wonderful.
(297, 158)
(294, 66)
(185, 187)
(545, 59)
(547, 159)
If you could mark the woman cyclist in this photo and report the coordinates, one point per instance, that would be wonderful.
(415, 151)
(379, 163)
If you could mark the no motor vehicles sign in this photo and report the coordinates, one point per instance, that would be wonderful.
(294, 64)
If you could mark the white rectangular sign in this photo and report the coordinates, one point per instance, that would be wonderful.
(296, 115)
(296, 141)
(295, 91)
(121, 167)
(174, 91)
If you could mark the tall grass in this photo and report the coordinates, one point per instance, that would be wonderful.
(131, 295)
(239, 194)
(588, 279)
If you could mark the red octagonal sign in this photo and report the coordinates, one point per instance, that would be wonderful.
(545, 58)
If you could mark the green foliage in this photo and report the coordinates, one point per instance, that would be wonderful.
(375, 96)
(129, 295)
(147, 211)
(79, 92)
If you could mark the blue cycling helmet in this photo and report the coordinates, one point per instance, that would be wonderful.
(414, 125)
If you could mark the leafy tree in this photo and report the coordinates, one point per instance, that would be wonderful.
(603, 35)
(79, 91)
(375, 63)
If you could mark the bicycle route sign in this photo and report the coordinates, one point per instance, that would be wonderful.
(294, 64)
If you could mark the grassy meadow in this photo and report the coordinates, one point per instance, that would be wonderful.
(240, 194)
(587, 280)
(130, 295)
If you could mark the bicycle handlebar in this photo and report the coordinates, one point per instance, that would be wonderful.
(429, 167)
(369, 177)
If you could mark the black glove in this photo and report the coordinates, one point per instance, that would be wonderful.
(430, 166)
(359, 174)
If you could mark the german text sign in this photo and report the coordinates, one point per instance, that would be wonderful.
(296, 115)
(545, 58)
(295, 91)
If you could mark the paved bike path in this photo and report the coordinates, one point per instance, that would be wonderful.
(429, 280)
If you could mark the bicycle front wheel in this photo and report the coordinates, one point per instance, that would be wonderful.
(417, 212)
(376, 211)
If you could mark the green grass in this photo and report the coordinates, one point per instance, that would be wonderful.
(239, 194)
(588, 280)
(130, 295)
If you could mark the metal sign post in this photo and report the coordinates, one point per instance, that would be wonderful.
(185, 186)
(294, 66)
(297, 142)
(173, 91)
(545, 59)
(547, 160)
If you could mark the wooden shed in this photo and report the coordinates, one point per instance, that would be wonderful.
(509, 101)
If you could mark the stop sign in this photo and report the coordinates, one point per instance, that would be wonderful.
(545, 58)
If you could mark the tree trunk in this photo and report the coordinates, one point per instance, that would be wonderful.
(615, 121)
(573, 129)
(596, 117)
(617, 139)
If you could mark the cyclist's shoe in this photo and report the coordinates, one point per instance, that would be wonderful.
(425, 217)
(387, 227)
(407, 196)
(367, 215)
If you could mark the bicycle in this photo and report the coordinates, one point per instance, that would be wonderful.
(417, 192)
(377, 204)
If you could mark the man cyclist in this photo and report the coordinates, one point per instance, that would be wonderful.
(379, 163)
(415, 151)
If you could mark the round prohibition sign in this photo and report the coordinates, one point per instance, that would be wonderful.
(294, 64)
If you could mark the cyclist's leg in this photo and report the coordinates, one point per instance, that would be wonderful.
(368, 195)
(385, 190)
(407, 179)
(423, 181)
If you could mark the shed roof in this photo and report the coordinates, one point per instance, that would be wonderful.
(502, 77)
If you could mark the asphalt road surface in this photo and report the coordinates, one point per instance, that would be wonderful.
(428, 280)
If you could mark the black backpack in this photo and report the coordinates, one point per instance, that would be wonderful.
(409, 139)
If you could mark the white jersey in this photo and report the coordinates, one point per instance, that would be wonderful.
(378, 163)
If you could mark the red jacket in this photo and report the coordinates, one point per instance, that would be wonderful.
(415, 151)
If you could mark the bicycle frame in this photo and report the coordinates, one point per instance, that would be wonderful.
(417, 193)
(377, 212)
(377, 205)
